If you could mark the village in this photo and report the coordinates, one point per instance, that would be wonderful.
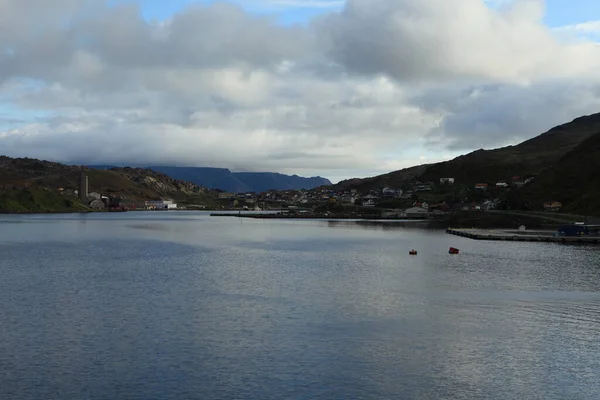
(414, 200)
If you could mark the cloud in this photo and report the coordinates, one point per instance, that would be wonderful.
(358, 91)
(439, 41)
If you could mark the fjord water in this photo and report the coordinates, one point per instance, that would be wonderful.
(178, 305)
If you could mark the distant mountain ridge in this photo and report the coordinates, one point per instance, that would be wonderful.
(236, 182)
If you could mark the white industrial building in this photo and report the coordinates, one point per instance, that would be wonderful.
(160, 205)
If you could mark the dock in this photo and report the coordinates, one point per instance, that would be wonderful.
(521, 236)
(313, 216)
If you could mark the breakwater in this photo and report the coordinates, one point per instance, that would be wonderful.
(521, 236)
(313, 216)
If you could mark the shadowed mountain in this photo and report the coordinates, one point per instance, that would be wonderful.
(574, 181)
(531, 157)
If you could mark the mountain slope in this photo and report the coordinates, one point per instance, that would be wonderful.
(394, 179)
(574, 181)
(264, 181)
(531, 157)
(240, 182)
(41, 186)
(212, 178)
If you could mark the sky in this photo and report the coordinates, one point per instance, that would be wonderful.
(334, 88)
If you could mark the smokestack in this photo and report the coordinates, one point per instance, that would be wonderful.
(83, 187)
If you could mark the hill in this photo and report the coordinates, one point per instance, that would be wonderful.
(30, 185)
(240, 182)
(574, 181)
(531, 157)
(528, 158)
(263, 181)
(212, 178)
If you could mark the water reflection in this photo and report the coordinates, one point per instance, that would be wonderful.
(377, 224)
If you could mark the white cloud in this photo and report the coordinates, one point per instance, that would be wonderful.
(361, 91)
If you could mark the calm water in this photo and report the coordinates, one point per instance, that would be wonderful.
(183, 306)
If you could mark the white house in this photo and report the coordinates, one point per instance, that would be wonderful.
(416, 211)
(160, 205)
(369, 200)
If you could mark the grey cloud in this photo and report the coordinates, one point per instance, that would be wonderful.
(442, 40)
(215, 85)
(497, 115)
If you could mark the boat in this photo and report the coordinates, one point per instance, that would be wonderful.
(413, 252)
(453, 250)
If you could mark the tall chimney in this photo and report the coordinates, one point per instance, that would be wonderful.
(83, 187)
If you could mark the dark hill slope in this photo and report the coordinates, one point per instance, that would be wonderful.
(574, 181)
(489, 166)
(394, 179)
(530, 157)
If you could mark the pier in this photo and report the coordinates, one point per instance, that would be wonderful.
(521, 236)
(313, 216)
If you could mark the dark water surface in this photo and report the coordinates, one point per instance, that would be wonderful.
(183, 306)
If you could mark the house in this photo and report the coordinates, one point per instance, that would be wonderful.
(416, 212)
(518, 181)
(388, 192)
(489, 205)
(482, 187)
(396, 213)
(421, 205)
(552, 206)
(427, 187)
(225, 195)
(446, 181)
(160, 205)
(369, 200)
(442, 207)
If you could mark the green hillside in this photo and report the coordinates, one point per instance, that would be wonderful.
(30, 185)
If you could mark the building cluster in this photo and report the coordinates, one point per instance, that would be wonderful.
(414, 199)
(99, 201)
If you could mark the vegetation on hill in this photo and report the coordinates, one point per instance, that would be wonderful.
(30, 185)
(38, 200)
